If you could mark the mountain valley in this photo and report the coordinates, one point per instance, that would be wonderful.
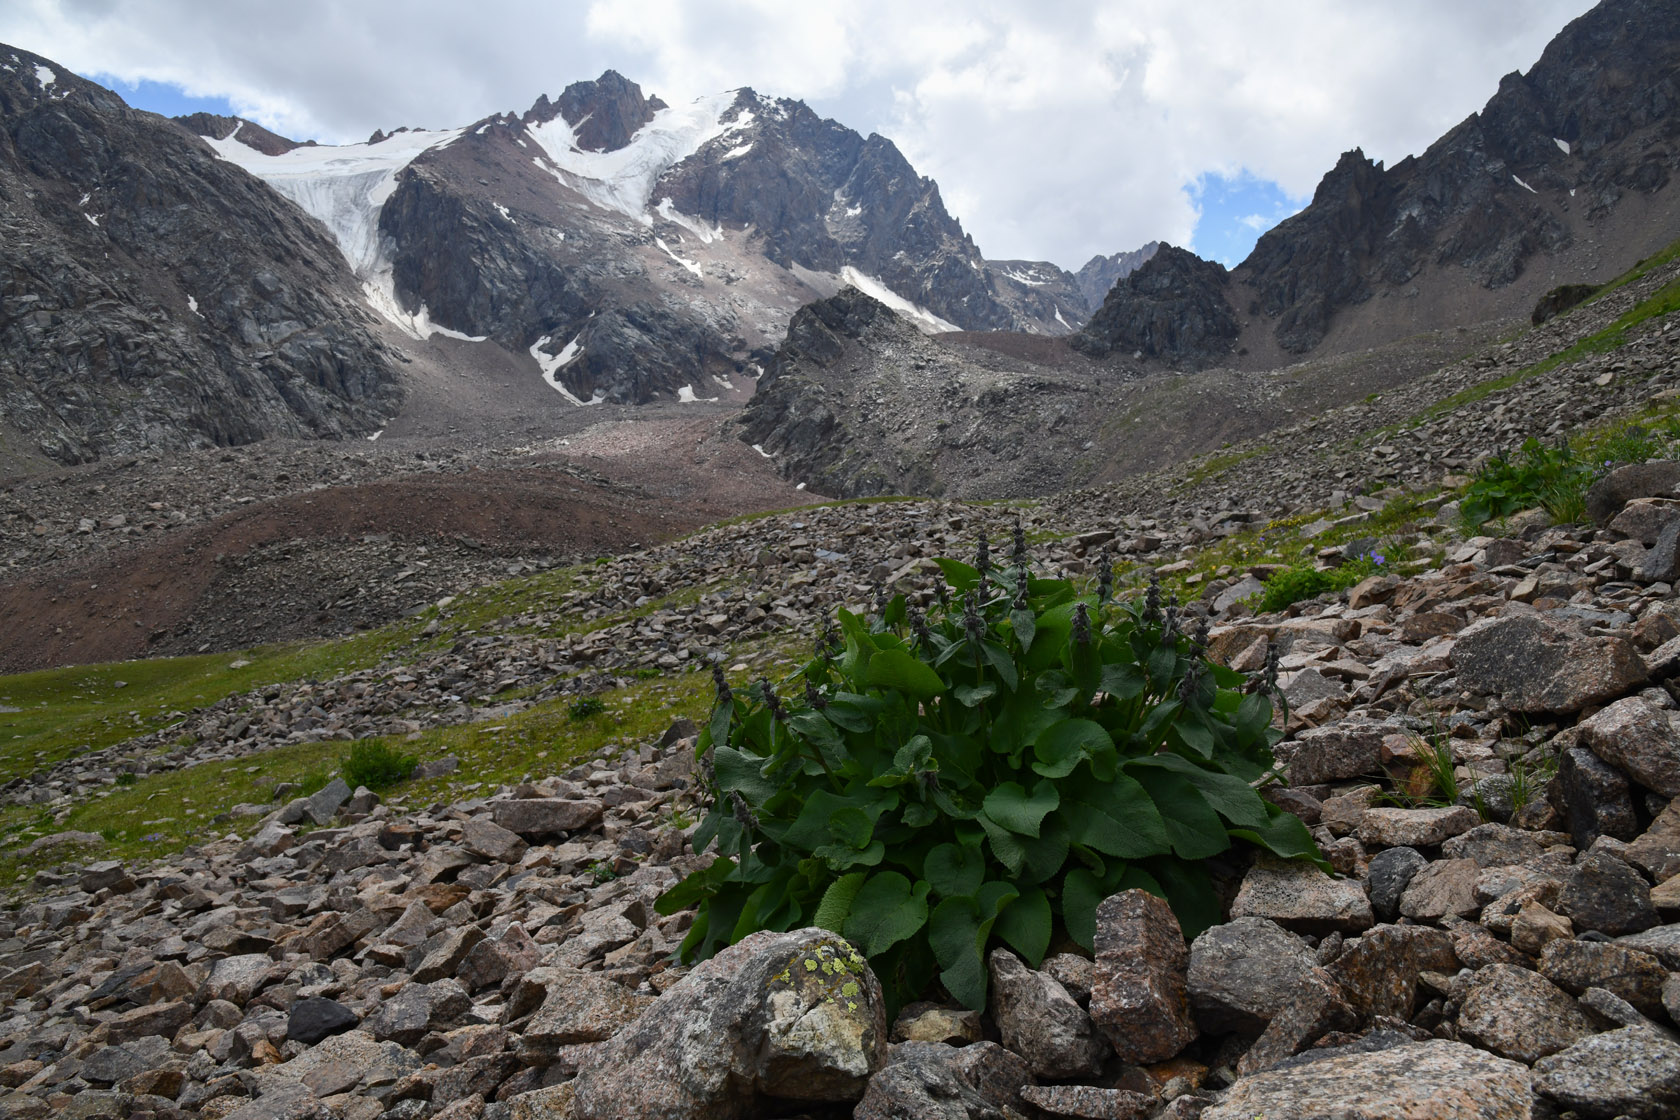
(418, 556)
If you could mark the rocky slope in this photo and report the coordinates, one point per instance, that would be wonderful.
(1510, 956)
(855, 404)
(1564, 177)
(152, 296)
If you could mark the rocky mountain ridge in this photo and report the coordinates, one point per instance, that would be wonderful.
(634, 249)
(153, 296)
(1563, 177)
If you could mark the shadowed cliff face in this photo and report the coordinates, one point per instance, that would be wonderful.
(1173, 307)
(1548, 168)
(152, 295)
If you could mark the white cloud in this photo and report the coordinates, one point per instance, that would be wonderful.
(1055, 129)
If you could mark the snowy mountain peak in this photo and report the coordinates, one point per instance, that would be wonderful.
(604, 114)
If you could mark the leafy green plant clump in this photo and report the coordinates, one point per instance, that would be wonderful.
(1304, 580)
(579, 710)
(376, 765)
(988, 772)
(1550, 477)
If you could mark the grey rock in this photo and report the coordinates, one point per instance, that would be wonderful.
(1038, 1020)
(1637, 738)
(1447, 886)
(1634, 1071)
(1603, 893)
(1139, 996)
(1634, 976)
(1243, 972)
(934, 1081)
(1299, 896)
(323, 805)
(1535, 666)
(1653, 479)
(1349, 748)
(1387, 828)
(1594, 798)
(753, 1021)
(576, 1007)
(1440, 1080)
(1493, 845)
(547, 816)
(236, 979)
(404, 1017)
(1390, 872)
(315, 1018)
(1519, 1014)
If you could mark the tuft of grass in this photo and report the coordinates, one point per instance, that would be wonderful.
(376, 765)
(580, 710)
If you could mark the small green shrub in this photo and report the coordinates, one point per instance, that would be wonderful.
(579, 710)
(1304, 580)
(127, 778)
(376, 765)
(1550, 477)
(986, 773)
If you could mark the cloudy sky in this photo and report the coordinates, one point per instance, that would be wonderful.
(1056, 129)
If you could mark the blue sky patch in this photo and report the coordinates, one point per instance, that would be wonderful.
(1235, 211)
(164, 98)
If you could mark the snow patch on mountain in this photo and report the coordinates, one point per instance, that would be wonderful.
(343, 186)
(692, 266)
(926, 321)
(707, 234)
(46, 75)
(552, 364)
(622, 181)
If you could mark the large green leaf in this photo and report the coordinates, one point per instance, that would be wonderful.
(962, 577)
(1019, 811)
(852, 826)
(1187, 889)
(1082, 893)
(1195, 830)
(1046, 854)
(955, 870)
(888, 909)
(896, 669)
(957, 932)
(1063, 746)
(1284, 835)
(743, 773)
(696, 886)
(1007, 846)
(1116, 818)
(1234, 799)
(836, 904)
(1025, 925)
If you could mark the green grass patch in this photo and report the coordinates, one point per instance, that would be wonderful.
(1208, 467)
(162, 813)
(64, 713)
(1664, 301)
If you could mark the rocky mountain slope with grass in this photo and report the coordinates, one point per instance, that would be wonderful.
(1564, 177)
(152, 296)
(207, 918)
(854, 403)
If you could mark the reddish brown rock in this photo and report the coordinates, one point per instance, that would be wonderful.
(1139, 998)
